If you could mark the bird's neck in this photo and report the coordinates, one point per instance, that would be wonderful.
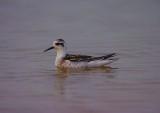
(60, 55)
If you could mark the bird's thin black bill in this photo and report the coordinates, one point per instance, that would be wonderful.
(49, 49)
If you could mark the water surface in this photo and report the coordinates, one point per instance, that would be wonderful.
(30, 83)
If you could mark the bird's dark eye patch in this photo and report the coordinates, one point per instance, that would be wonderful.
(59, 44)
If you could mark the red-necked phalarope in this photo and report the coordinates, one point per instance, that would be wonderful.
(77, 61)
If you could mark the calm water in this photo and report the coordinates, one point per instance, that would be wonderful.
(29, 82)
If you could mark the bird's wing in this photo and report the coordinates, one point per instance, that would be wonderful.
(105, 57)
(78, 58)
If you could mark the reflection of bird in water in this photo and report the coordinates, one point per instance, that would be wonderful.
(64, 72)
(59, 86)
(78, 61)
(61, 74)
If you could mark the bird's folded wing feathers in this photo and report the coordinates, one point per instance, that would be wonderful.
(85, 58)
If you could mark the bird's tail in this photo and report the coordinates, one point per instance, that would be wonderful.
(103, 60)
(105, 57)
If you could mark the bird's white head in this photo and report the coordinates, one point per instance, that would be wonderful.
(59, 45)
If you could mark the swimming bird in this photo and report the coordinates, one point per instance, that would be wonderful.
(65, 60)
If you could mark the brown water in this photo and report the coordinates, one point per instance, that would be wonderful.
(29, 82)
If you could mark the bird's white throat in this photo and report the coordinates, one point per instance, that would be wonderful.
(61, 53)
